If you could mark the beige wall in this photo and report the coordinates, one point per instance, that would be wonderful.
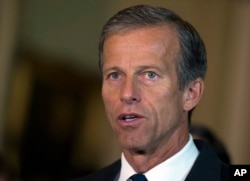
(8, 27)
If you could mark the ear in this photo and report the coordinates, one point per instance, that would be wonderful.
(192, 94)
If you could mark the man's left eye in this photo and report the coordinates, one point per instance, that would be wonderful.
(151, 75)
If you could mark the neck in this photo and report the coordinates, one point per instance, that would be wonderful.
(145, 160)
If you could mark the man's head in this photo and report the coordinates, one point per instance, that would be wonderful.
(153, 64)
(191, 61)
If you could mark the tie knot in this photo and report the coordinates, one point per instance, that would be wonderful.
(137, 177)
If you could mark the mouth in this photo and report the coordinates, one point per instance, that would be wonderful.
(129, 117)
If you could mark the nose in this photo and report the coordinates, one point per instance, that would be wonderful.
(130, 92)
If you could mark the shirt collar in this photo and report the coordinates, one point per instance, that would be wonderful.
(176, 168)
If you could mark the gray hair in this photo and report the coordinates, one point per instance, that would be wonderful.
(191, 62)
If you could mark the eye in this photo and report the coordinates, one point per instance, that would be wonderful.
(151, 75)
(114, 75)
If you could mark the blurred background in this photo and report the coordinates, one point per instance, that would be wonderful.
(52, 122)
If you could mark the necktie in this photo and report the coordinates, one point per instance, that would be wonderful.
(137, 177)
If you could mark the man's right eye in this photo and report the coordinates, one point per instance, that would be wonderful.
(114, 75)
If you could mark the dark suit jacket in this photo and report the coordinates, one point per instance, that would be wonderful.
(207, 167)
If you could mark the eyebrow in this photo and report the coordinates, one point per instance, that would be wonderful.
(111, 68)
(153, 67)
(139, 68)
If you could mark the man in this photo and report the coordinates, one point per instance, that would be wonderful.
(153, 65)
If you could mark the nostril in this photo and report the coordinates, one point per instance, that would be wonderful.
(134, 99)
(130, 100)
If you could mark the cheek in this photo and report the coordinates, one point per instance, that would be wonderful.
(106, 95)
(106, 100)
(167, 107)
(109, 101)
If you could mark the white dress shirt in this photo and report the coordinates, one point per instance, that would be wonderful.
(176, 168)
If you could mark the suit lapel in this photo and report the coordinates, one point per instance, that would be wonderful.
(207, 166)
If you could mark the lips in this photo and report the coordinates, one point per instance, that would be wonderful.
(129, 117)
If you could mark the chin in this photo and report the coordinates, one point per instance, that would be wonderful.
(135, 148)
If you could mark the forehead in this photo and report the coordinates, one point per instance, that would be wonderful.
(165, 32)
(159, 40)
